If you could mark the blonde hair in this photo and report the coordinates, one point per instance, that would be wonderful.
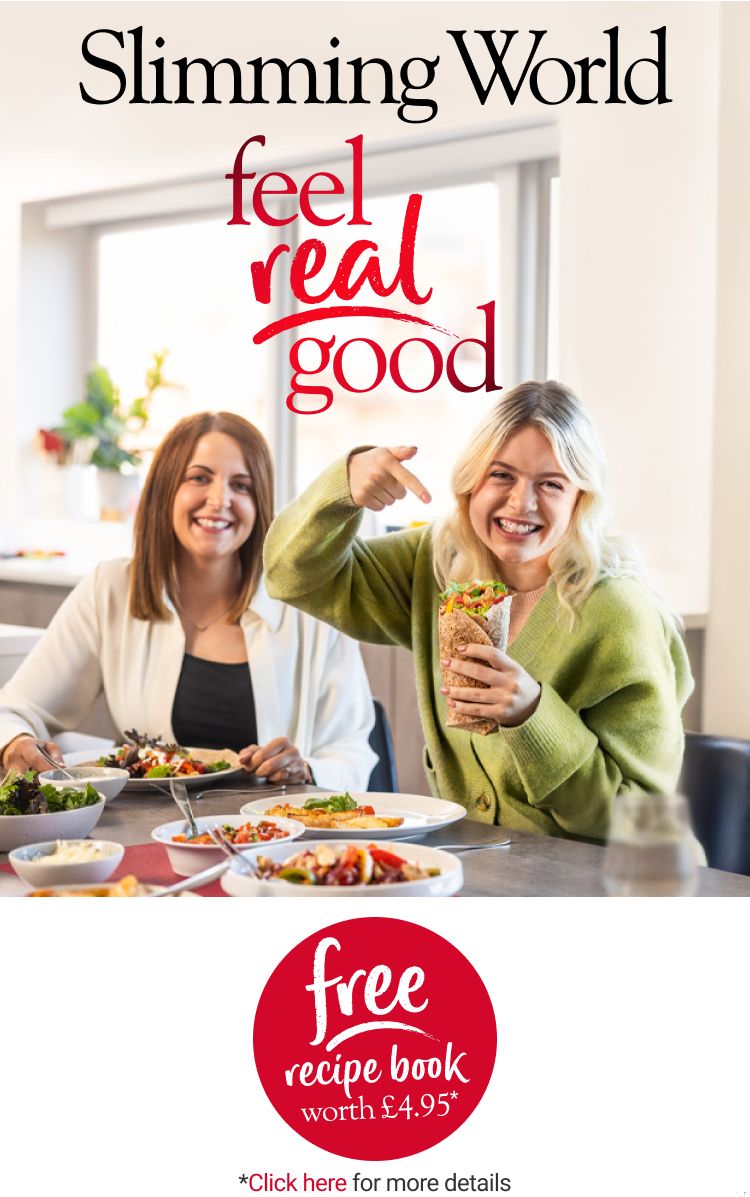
(586, 553)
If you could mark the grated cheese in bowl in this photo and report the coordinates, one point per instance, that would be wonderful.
(76, 852)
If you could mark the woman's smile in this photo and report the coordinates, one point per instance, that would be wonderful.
(211, 524)
(214, 508)
(516, 529)
(522, 508)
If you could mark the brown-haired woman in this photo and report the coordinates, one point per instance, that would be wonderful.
(184, 640)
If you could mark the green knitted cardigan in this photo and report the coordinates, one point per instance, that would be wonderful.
(613, 685)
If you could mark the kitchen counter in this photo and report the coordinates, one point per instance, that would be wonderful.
(83, 542)
(16, 638)
(53, 571)
(16, 642)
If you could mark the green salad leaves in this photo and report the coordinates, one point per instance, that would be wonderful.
(172, 770)
(218, 766)
(161, 771)
(337, 802)
(21, 794)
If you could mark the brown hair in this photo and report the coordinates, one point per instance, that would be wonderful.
(155, 543)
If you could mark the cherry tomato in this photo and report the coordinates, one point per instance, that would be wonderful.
(389, 859)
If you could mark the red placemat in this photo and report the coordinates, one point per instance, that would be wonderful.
(149, 863)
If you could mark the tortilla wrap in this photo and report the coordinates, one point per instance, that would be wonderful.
(457, 627)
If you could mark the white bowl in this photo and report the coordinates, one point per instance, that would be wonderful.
(187, 859)
(37, 868)
(449, 881)
(16, 830)
(107, 782)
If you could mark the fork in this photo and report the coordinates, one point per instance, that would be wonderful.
(51, 761)
(178, 790)
(240, 863)
(473, 847)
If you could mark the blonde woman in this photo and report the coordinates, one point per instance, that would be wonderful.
(184, 640)
(587, 699)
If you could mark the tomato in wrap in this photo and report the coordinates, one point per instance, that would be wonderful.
(471, 613)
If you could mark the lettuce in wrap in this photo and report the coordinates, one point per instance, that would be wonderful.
(472, 613)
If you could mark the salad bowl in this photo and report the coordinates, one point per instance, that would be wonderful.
(32, 813)
(76, 824)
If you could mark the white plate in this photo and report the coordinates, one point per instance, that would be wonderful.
(419, 812)
(142, 784)
(449, 881)
(188, 859)
(74, 890)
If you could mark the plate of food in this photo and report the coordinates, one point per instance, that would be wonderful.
(150, 760)
(126, 887)
(339, 869)
(327, 815)
(189, 855)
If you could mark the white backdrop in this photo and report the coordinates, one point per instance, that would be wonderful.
(622, 1046)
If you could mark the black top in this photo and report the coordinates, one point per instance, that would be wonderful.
(214, 705)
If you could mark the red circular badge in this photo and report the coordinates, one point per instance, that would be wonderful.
(374, 1038)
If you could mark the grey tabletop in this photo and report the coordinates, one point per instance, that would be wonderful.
(531, 865)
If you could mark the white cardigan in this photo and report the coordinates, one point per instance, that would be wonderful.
(308, 680)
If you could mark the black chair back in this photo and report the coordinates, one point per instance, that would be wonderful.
(383, 777)
(716, 781)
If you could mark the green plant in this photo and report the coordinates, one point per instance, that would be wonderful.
(100, 419)
(141, 408)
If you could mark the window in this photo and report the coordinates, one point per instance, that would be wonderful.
(457, 256)
(553, 286)
(184, 287)
(160, 268)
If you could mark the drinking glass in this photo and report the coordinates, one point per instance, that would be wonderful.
(651, 851)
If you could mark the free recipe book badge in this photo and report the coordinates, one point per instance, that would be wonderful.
(380, 1061)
